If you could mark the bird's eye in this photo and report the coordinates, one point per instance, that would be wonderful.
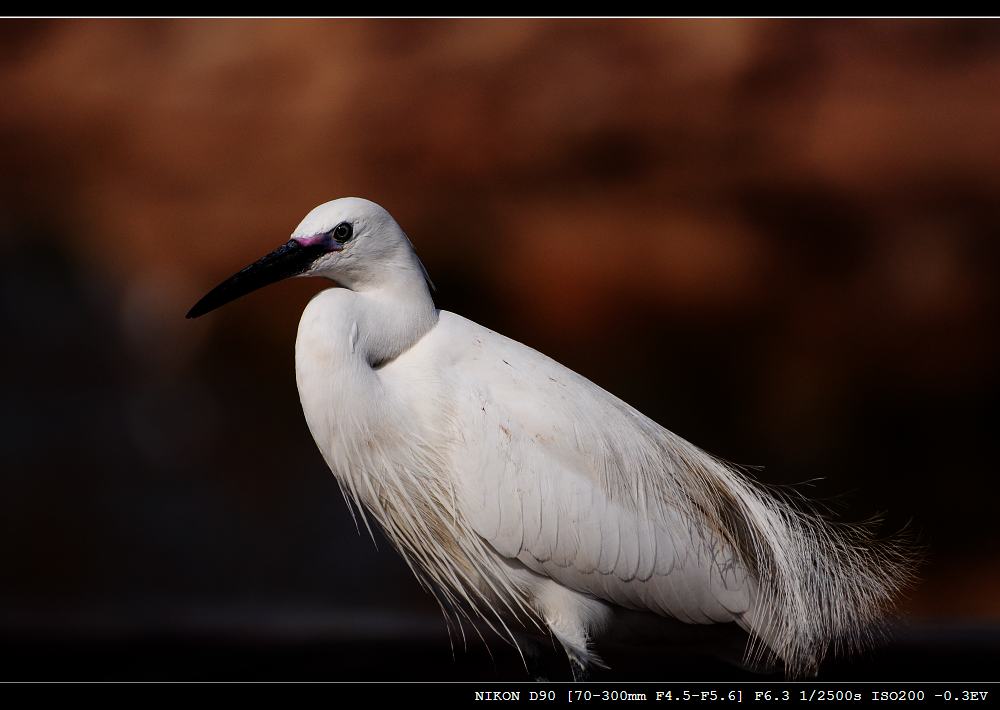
(342, 232)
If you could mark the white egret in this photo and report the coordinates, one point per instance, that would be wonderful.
(517, 489)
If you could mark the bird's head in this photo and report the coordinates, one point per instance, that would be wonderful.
(352, 241)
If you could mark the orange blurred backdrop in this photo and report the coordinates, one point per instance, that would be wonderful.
(778, 238)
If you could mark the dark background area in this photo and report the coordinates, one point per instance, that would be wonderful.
(777, 238)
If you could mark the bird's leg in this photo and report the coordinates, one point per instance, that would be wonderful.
(568, 614)
(581, 672)
(544, 662)
(538, 673)
(580, 657)
(537, 658)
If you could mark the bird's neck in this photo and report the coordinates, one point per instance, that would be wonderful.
(392, 316)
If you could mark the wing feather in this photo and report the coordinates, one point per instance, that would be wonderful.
(559, 474)
(539, 486)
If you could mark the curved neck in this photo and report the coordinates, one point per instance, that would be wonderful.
(392, 315)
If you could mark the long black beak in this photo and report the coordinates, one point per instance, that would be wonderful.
(289, 259)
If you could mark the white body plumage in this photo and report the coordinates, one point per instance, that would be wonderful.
(518, 489)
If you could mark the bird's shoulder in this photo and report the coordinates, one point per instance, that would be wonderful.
(478, 357)
(529, 397)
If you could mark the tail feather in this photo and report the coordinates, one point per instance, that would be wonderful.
(819, 585)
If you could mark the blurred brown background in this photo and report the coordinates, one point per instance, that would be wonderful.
(777, 238)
